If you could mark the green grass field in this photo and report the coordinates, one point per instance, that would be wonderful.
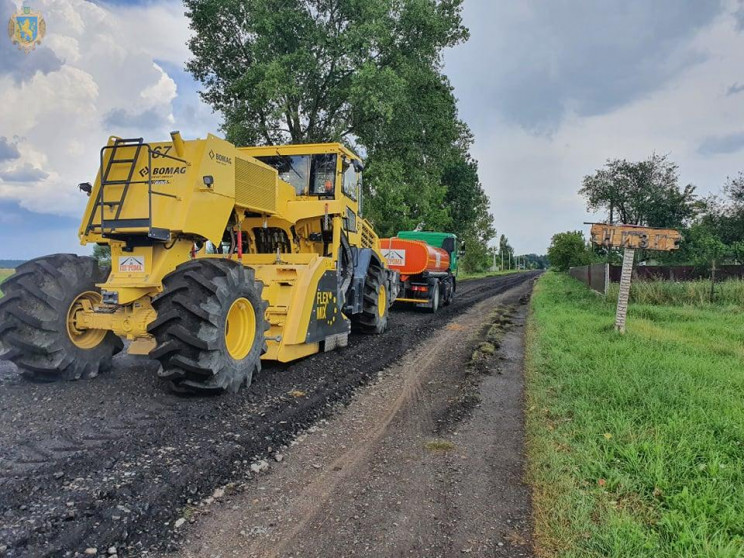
(4, 274)
(635, 442)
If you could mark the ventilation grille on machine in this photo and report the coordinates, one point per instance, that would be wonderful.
(369, 238)
(255, 186)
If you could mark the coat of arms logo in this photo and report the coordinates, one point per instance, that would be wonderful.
(26, 29)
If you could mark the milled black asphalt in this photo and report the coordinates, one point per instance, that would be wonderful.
(113, 461)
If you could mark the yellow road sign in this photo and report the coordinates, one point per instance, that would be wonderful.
(634, 236)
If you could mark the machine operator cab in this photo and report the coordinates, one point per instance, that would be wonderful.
(328, 173)
(324, 171)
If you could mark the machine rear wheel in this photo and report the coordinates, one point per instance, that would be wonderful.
(38, 330)
(374, 316)
(210, 327)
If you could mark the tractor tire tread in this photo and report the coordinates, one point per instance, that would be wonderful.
(369, 320)
(189, 330)
(33, 314)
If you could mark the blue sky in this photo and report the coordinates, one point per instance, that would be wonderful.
(550, 88)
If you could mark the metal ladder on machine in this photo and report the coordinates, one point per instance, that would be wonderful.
(109, 226)
(117, 222)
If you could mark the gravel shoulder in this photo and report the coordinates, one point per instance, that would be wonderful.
(115, 462)
(427, 460)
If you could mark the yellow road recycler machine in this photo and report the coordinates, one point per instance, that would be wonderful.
(220, 257)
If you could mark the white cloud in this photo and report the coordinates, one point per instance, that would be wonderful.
(533, 179)
(62, 118)
(163, 92)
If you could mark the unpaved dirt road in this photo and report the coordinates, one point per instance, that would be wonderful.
(119, 463)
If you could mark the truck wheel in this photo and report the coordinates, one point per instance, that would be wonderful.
(374, 316)
(434, 297)
(450, 293)
(210, 327)
(37, 319)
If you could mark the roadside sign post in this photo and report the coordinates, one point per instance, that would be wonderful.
(629, 238)
(622, 297)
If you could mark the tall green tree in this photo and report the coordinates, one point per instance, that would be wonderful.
(364, 72)
(641, 193)
(505, 253)
(723, 216)
(315, 70)
(478, 256)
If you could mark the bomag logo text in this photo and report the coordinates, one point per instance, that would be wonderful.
(164, 171)
(218, 157)
(168, 170)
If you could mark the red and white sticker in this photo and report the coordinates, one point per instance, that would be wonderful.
(132, 264)
(394, 256)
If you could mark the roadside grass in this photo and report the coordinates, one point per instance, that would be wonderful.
(634, 441)
(4, 274)
(697, 293)
(462, 276)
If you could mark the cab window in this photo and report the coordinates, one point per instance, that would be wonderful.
(351, 180)
(294, 169)
(323, 174)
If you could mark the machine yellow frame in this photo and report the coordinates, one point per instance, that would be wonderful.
(159, 205)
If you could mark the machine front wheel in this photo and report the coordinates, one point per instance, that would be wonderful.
(210, 329)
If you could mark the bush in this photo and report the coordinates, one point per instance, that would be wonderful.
(568, 249)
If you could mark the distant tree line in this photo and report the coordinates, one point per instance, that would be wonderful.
(648, 193)
(10, 264)
(367, 74)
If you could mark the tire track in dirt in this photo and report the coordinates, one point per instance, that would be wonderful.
(316, 494)
(366, 482)
(111, 461)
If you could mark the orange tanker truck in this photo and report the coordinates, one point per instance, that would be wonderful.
(427, 265)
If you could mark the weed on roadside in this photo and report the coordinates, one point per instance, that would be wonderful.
(439, 445)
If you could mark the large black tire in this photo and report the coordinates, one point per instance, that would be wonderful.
(191, 329)
(435, 297)
(374, 316)
(450, 292)
(34, 332)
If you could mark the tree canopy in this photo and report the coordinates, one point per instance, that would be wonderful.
(640, 193)
(318, 70)
(568, 249)
(367, 73)
(648, 193)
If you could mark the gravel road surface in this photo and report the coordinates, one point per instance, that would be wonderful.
(120, 465)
